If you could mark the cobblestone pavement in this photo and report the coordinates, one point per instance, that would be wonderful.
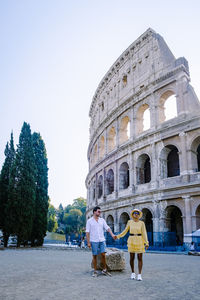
(41, 274)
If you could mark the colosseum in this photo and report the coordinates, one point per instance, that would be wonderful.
(144, 149)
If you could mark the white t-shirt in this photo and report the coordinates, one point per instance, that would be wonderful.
(96, 229)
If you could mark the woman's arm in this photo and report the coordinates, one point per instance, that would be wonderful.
(144, 234)
(125, 231)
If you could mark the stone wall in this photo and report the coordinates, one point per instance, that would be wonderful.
(139, 157)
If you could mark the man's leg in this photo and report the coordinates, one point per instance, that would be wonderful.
(95, 262)
(103, 260)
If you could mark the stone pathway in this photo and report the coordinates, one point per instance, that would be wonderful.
(41, 274)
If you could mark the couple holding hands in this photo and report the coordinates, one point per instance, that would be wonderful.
(137, 241)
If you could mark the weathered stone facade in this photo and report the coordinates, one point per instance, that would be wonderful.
(153, 166)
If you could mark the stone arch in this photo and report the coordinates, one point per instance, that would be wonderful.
(173, 225)
(110, 222)
(143, 169)
(169, 161)
(147, 218)
(111, 139)
(93, 190)
(100, 186)
(102, 147)
(164, 106)
(109, 182)
(197, 215)
(143, 118)
(95, 154)
(124, 176)
(124, 130)
(195, 152)
(124, 217)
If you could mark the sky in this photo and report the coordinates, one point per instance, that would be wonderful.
(53, 55)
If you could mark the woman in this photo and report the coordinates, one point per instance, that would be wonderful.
(137, 241)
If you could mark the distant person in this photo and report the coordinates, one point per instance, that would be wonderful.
(192, 247)
(95, 228)
(83, 243)
(137, 241)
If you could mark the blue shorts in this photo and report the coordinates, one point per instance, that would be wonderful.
(98, 247)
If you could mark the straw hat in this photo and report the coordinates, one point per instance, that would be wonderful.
(140, 213)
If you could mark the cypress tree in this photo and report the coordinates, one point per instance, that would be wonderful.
(22, 188)
(4, 187)
(41, 203)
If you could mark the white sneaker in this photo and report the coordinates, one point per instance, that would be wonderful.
(139, 277)
(133, 276)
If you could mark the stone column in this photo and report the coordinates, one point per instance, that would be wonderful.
(183, 157)
(132, 124)
(96, 187)
(116, 223)
(117, 133)
(187, 217)
(106, 141)
(116, 179)
(154, 165)
(104, 185)
(181, 97)
(131, 173)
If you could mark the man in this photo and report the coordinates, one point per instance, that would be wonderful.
(95, 238)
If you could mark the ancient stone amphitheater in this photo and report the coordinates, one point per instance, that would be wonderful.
(144, 148)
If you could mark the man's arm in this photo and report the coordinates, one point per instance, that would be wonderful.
(111, 233)
(88, 239)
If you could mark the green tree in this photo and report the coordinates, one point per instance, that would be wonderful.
(39, 227)
(60, 214)
(4, 186)
(22, 188)
(72, 220)
(52, 224)
(75, 216)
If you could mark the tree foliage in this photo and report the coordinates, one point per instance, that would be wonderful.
(39, 227)
(4, 186)
(52, 224)
(24, 189)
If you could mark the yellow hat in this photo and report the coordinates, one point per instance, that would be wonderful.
(140, 213)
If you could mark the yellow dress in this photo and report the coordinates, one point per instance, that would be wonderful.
(136, 244)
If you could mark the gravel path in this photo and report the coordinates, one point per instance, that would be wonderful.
(41, 274)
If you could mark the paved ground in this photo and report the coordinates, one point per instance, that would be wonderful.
(36, 274)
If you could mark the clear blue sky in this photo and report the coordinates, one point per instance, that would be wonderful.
(53, 55)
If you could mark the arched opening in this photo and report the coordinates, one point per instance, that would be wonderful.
(174, 226)
(110, 222)
(124, 176)
(95, 154)
(173, 168)
(170, 108)
(195, 154)
(94, 190)
(197, 214)
(102, 147)
(143, 118)
(143, 169)
(111, 139)
(198, 158)
(123, 220)
(147, 218)
(100, 186)
(169, 162)
(167, 108)
(110, 182)
(124, 130)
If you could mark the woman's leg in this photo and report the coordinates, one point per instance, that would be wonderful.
(132, 257)
(140, 262)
